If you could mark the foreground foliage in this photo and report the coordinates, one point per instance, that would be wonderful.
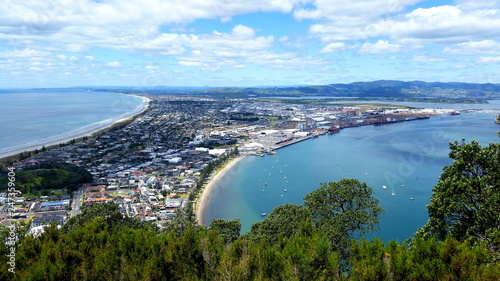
(292, 243)
(94, 251)
(466, 201)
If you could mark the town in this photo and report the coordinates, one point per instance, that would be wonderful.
(160, 161)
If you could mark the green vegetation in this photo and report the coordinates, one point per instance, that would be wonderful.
(465, 202)
(316, 241)
(438, 92)
(40, 179)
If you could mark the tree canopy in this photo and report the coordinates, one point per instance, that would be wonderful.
(466, 200)
(38, 179)
(343, 209)
(283, 221)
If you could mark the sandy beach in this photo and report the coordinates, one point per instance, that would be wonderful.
(202, 202)
(77, 136)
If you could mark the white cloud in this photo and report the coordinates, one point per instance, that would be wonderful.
(283, 39)
(114, 64)
(152, 67)
(335, 47)
(347, 20)
(25, 53)
(381, 46)
(422, 58)
(234, 49)
(490, 47)
(474, 4)
(442, 24)
(488, 60)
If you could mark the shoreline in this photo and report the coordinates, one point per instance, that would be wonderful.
(201, 204)
(89, 133)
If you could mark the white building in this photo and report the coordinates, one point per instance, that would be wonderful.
(216, 152)
(175, 160)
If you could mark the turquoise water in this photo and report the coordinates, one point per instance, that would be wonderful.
(35, 117)
(405, 157)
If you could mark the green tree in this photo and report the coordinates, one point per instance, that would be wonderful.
(228, 230)
(343, 210)
(283, 221)
(465, 202)
(111, 215)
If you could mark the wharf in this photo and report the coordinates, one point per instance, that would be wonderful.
(294, 141)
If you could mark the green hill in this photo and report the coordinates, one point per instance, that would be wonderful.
(39, 179)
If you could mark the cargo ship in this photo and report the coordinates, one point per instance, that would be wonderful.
(333, 130)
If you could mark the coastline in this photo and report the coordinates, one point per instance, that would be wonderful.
(80, 135)
(205, 193)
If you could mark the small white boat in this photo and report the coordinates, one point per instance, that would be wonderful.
(411, 198)
(285, 190)
(393, 194)
(384, 187)
(263, 214)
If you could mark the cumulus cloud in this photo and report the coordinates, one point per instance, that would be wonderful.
(488, 60)
(490, 47)
(382, 46)
(347, 20)
(422, 58)
(114, 64)
(25, 53)
(442, 24)
(237, 49)
(334, 47)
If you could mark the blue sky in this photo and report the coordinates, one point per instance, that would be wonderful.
(53, 43)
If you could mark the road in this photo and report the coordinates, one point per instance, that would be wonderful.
(77, 202)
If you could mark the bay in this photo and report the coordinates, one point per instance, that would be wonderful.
(35, 117)
(407, 158)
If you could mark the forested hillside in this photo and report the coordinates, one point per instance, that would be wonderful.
(39, 179)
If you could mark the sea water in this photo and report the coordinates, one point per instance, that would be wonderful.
(36, 117)
(401, 162)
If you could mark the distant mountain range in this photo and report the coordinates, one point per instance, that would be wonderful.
(382, 89)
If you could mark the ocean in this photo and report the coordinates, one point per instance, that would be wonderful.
(407, 158)
(36, 117)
